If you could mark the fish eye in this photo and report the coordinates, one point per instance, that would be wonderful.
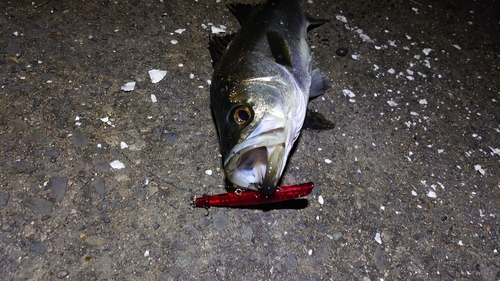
(242, 115)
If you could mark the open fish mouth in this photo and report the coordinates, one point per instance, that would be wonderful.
(258, 161)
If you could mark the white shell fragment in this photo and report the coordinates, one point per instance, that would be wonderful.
(328, 161)
(321, 200)
(78, 123)
(348, 93)
(208, 172)
(157, 75)
(117, 165)
(495, 150)
(217, 30)
(426, 51)
(341, 18)
(479, 169)
(431, 194)
(378, 238)
(153, 98)
(130, 86)
(365, 38)
(392, 103)
(123, 145)
(180, 30)
(107, 121)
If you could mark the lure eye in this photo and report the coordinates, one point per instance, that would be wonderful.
(242, 115)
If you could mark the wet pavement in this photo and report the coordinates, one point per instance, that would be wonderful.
(96, 181)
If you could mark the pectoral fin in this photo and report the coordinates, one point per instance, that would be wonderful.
(319, 84)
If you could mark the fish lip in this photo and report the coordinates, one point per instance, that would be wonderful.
(257, 161)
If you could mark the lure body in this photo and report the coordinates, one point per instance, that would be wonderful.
(254, 197)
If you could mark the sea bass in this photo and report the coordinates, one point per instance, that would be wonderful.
(261, 85)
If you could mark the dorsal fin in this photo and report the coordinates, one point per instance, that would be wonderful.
(218, 45)
(279, 48)
(242, 11)
(313, 23)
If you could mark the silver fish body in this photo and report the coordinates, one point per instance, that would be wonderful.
(261, 85)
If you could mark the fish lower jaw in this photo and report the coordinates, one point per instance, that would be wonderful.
(253, 167)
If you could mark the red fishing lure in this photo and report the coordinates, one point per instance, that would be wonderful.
(240, 197)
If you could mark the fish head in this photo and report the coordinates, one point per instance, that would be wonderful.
(257, 124)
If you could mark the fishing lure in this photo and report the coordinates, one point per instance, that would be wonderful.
(241, 197)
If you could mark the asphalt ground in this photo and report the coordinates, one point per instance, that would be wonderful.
(96, 182)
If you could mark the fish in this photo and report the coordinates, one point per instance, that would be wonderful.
(261, 85)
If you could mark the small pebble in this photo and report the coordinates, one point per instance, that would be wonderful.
(174, 271)
(37, 248)
(4, 198)
(246, 233)
(172, 137)
(53, 153)
(183, 262)
(21, 166)
(62, 273)
(78, 139)
(100, 187)
(105, 218)
(14, 266)
(221, 221)
(178, 246)
(162, 277)
(38, 205)
(58, 186)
